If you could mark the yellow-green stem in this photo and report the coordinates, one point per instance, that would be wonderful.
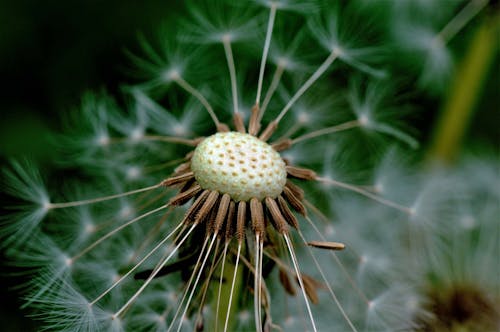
(465, 90)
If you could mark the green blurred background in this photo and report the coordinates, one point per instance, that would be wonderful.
(51, 52)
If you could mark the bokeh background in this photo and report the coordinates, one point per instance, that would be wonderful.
(51, 52)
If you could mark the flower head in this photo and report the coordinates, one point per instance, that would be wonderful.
(188, 214)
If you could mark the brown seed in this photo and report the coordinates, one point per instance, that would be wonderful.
(179, 179)
(301, 173)
(253, 124)
(271, 127)
(188, 185)
(222, 128)
(200, 325)
(207, 206)
(327, 245)
(285, 282)
(191, 212)
(296, 190)
(182, 168)
(183, 197)
(238, 122)
(310, 286)
(257, 215)
(190, 154)
(294, 201)
(282, 145)
(210, 220)
(241, 220)
(279, 221)
(230, 220)
(287, 214)
(221, 212)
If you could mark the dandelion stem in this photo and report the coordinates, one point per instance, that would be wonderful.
(326, 131)
(154, 273)
(197, 94)
(232, 72)
(299, 277)
(206, 284)
(335, 257)
(233, 282)
(366, 194)
(465, 89)
(325, 280)
(258, 321)
(171, 139)
(280, 69)
(158, 138)
(209, 250)
(292, 130)
(259, 275)
(100, 199)
(138, 264)
(314, 77)
(270, 25)
(163, 166)
(116, 230)
(188, 285)
(220, 286)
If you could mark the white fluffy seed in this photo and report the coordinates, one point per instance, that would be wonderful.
(240, 165)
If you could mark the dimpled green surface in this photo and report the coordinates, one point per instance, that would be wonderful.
(240, 165)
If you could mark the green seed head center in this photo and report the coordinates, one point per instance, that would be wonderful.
(239, 165)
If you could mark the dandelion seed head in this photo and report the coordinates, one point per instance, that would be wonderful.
(240, 165)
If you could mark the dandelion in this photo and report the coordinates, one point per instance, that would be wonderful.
(426, 29)
(183, 222)
(452, 275)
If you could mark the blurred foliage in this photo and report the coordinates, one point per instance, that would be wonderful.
(465, 90)
(51, 53)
